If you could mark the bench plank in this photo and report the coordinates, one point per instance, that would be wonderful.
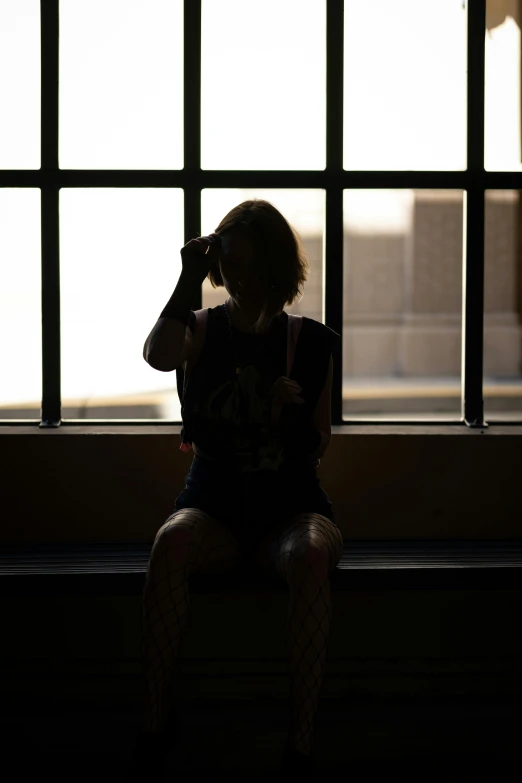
(120, 568)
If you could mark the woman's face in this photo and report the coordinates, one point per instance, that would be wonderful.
(237, 269)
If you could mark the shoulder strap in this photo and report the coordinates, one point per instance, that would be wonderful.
(295, 323)
(200, 332)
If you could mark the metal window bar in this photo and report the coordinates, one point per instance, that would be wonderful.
(473, 261)
(192, 179)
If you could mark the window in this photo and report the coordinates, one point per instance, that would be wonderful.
(388, 132)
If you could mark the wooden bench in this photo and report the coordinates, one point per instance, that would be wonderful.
(369, 564)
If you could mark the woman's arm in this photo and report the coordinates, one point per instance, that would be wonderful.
(322, 415)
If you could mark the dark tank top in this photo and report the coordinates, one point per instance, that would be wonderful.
(228, 415)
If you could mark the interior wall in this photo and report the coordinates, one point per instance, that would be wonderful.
(120, 483)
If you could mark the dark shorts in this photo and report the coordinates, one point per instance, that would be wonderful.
(252, 504)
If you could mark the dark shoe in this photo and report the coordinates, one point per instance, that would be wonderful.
(151, 750)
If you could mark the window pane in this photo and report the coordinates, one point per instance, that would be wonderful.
(120, 262)
(304, 210)
(402, 304)
(263, 70)
(503, 306)
(502, 94)
(121, 91)
(20, 303)
(20, 77)
(404, 85)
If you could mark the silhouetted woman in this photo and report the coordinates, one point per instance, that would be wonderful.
(255, 386)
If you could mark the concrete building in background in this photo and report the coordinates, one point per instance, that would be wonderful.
(402, 317)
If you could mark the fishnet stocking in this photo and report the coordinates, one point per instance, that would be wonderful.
(307, 630)
(190, 541)
(307, 552)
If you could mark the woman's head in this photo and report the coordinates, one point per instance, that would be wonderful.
(262, 260)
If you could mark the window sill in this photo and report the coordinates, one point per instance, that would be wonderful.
(172, 430)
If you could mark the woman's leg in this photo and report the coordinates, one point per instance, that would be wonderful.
(190, 541)
(303, 550)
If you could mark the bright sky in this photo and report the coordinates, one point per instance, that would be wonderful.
(263, 106)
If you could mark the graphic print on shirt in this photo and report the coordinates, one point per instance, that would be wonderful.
(228, 415)
(243, 404)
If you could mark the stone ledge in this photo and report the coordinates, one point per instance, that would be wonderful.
(455, 428)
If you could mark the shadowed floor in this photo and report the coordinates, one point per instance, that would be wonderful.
(363, 741)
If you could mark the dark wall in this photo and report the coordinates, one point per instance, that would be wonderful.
(118, 483)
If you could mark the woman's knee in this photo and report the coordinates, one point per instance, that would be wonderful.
(193, 538)
(175, 537)
(313, 541)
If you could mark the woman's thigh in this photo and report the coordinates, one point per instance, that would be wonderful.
(250, 507)
(193, 538)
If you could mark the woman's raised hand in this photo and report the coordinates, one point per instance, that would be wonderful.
(200, 254)
(285, 391)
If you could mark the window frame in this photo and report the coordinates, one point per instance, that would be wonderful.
(474, 182)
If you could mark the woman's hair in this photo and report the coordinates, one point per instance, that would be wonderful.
(280, 259)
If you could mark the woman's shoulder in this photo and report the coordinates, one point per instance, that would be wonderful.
(319, 332)
(311, 328)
